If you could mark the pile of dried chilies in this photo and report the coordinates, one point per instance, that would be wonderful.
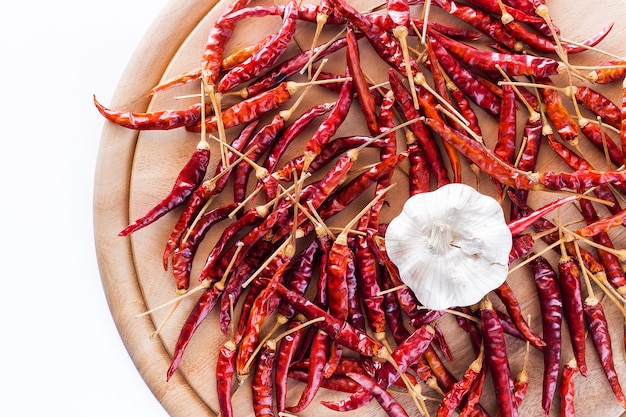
(337, 312)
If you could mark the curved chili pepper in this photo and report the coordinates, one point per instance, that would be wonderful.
(495, 355)
(600, 140)
(405, 354)
(474, 393)
(384, 398)
(219, 35)
(261, 142)
(566, 389)
(507, 296)
(159, 120)
(267, 56)
(522, 246)
(520, 224)
(599, 332)
(544, 45)
(493, 7)
(551, 305)
(330, 125)
(187, 181)
(202, 308)
(334, 382)
(184, 254)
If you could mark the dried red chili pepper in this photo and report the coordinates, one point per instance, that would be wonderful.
(361, 86)
(318, 357)
(570, 285)
(224, 373)
(250, 109)
(610, 71)
(158, 120)
(522, 246)
(267, 56)
(558, 113)
(597, 103)
(497, 361)
(599, 332)
(566, 389)
(466, 80)
(187, 181)
(453, 396)
(551, 305)
(262, 380)
(384, 398)
(511, 64)
(507, 296)
(284, 356)
(183, 256)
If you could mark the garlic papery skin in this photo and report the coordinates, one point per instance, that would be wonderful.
(451, 246)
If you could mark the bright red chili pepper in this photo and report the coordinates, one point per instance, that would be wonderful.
(262, 381)
(566, 389)
(384, 398)
(361, 86)
(507, 296)
(224, 373)
(453, 397)
(570, 285)
(599, 104)
(610, 71)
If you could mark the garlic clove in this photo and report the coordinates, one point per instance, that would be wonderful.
(451, 246)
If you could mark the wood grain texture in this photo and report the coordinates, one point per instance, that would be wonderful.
(135, 170)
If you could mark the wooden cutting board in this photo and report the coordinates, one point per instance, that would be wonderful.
(135, 170)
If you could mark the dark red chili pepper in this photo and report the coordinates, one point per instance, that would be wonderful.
(330, 125)
(532, 138)
(318, 357)
(201, 196)
(257, 146)
(569, 283)
(189, 178)
(507, 130)
(385, 44)
(361, 86)
(202, 308)
(495, 355)
(159, 120)
(566, 389)
(183, 256)
(224, 373)
(602, 140)
(262, 381)
(335, 382)
(522, 246)
(474, 393)
(507, 296)
(267, 56)
(551, 305)
(599, 332)
(285, 354)
(419, 174)
(368, 286)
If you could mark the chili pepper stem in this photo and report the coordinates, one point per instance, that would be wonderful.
(401, 33)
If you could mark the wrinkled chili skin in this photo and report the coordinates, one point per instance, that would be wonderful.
(160, 120)
(567, 391)
(599, 104)
(187, 181)
(569, 283)
(551, 306)
(508, 298)
(608, 75)
(601, 337)
(224, 374)
(497, 361)
(263, 381)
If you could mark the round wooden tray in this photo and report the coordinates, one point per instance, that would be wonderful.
(135, 170)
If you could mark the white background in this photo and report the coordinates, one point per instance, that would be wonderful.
(60, 353)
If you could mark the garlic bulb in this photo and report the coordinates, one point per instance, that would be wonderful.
(451, 246)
